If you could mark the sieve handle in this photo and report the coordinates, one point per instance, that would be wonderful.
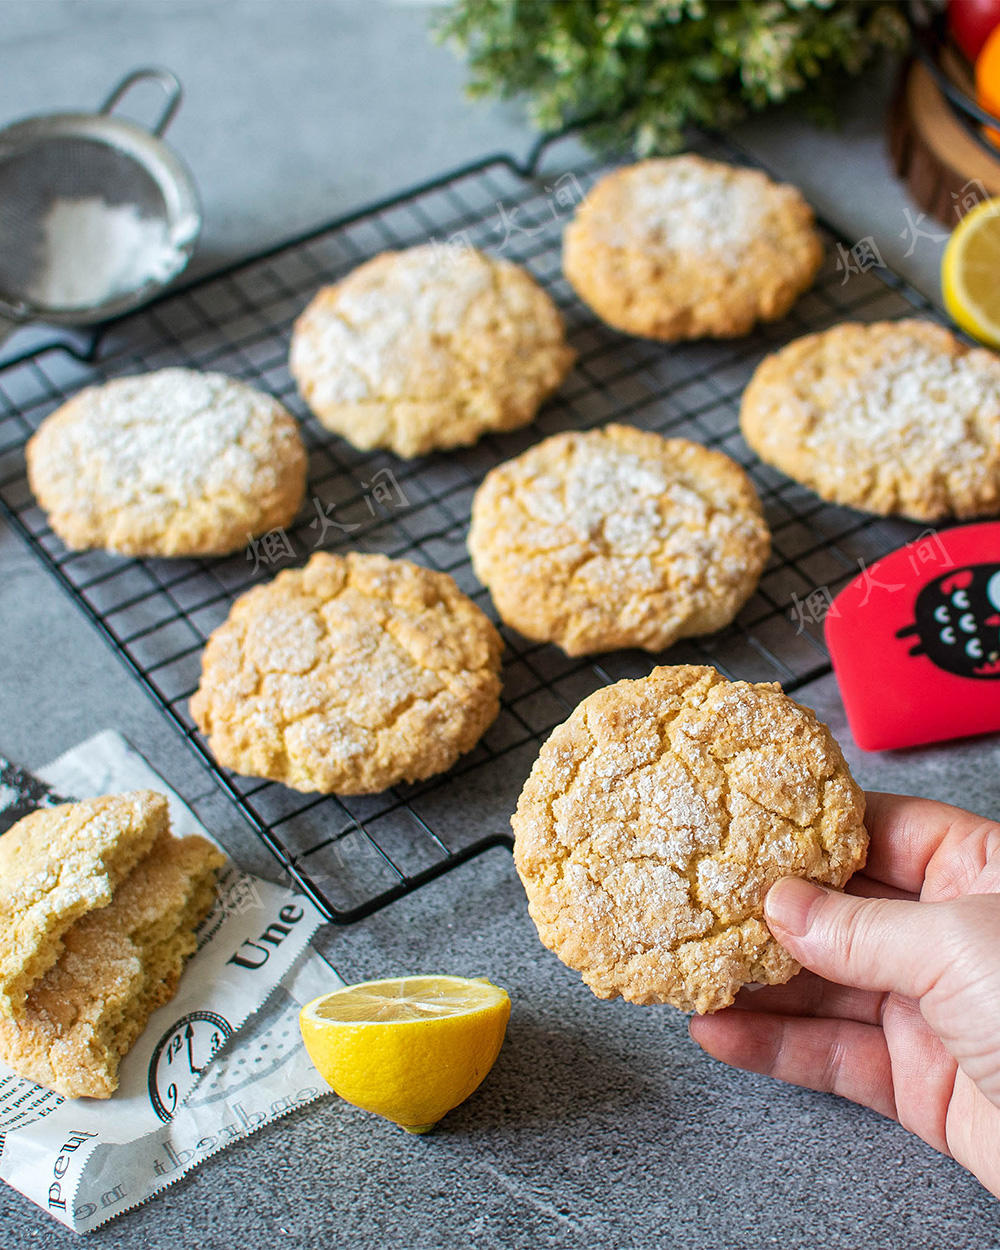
(167, 80)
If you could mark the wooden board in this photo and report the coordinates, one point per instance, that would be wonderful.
(945, 168)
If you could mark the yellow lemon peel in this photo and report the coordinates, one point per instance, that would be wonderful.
(407, 1048)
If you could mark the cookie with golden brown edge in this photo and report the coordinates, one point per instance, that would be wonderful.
(655, 820)
(895, 417)
(58, 864)
(349, 675)
(428, 348)
(173, 463)
(683, 248)
(116, 966)
(618, 537)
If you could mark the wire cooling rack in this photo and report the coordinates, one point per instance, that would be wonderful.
(353, 855)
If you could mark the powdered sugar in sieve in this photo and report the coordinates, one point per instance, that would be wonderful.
(92, 252)
(96, 212)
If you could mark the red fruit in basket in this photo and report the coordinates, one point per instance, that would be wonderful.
(970, 23)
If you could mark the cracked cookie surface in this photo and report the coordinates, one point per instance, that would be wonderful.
(895, 417)
(428, 349)
(170, 463)
(683, 247)
(655, 820)
(349, 675)
(617, 537)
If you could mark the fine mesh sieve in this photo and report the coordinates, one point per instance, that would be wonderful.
(96, 213)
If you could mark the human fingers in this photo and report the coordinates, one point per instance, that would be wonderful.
(868, 943)
(974, 1132)
(966, 862)
(841, 1057)
(810, 995)
(868, 887)
(946, 955)
(923, 1071)
(905, 834)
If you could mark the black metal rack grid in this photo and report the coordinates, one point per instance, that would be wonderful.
(353, 855)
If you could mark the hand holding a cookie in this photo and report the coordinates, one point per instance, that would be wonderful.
(899, 1008)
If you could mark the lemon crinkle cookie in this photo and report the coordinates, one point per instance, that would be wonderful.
(118, 964)
(428, 348)
(684, 247)
(618, 537)
(655, 820)
(59, 863)
(170, 463)
(349, 675)
(894, 417)
(98, 907)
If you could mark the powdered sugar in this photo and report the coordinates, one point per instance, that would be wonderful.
(611, 490)
(688, 206)
(916, 406)
(376, 332)
(162, 439)
(619, 504)
(93, 252)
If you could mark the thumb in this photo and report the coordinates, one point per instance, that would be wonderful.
(868, 943)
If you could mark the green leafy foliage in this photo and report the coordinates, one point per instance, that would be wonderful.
(642, 70)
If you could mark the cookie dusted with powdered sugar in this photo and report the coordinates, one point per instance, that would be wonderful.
(895, 417)
(683, 247)
(172, 463)
(657, 817)
(348, 675)
(427, 349)
(617, 538)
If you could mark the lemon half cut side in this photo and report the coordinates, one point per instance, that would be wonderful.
(407, 1048)
(970, 273)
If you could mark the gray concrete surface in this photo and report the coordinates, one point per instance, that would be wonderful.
(602, 1125)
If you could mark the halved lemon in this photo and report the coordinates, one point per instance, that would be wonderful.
(408, 1048)
(970, 273)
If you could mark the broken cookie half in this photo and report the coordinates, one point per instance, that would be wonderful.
(98, 910)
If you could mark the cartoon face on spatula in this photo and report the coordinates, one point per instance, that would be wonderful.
(915, 640)
(958, 622)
